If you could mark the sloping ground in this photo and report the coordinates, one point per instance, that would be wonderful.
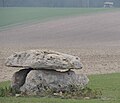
(12, 16)
(102, 29)
(95, 38)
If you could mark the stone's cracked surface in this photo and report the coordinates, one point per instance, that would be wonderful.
(43, 59)
(38, 81)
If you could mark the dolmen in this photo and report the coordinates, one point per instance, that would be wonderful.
(45, 70)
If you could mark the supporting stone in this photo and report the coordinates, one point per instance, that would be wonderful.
(39, 81)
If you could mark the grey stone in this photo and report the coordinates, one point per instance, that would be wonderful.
(18, 78)
(43, 59)
(38, 81)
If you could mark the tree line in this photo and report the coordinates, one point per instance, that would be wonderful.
(56, 3)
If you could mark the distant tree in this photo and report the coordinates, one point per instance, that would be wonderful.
(3, 3)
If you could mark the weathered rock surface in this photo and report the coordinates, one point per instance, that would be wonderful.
(38, 81)
(19, 77)
(45, 59)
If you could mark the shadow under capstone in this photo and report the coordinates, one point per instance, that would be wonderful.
(18, 78)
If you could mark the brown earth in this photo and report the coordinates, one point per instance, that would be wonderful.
(95, 38)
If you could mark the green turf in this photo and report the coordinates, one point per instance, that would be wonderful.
(109, 84)
(18, 15)
(4, 84)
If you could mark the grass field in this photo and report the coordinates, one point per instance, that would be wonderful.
(107, 83)
(17, 15)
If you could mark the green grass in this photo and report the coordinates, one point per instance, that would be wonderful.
(109, 84)
(4, 84)
(19, 15)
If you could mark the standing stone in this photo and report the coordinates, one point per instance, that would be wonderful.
(38, 81)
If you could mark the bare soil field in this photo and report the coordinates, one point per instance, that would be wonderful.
(95, 38)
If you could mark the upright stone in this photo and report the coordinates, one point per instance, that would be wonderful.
(38, 81)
